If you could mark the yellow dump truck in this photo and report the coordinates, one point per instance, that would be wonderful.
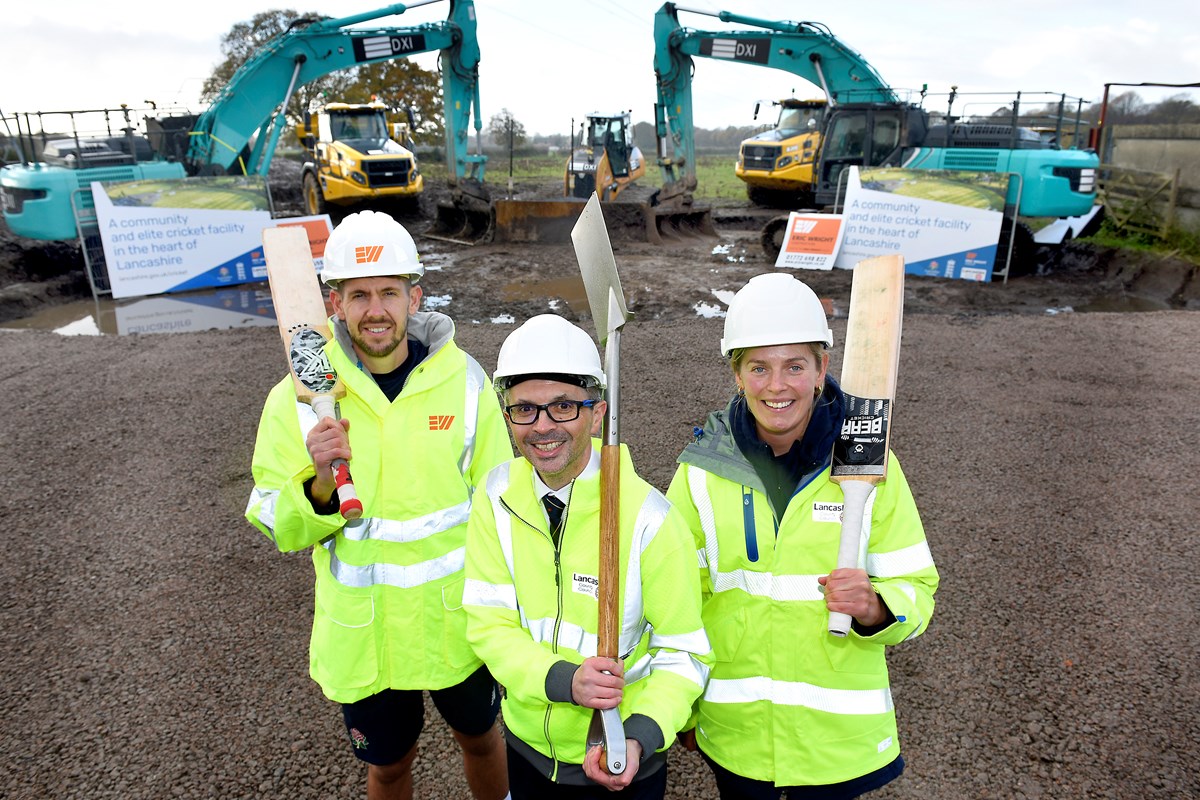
(356, 156)
(777, 165)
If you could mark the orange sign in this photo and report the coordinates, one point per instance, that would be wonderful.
(811, 241)
(318, 229)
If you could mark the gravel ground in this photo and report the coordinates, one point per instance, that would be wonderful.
(153, 644)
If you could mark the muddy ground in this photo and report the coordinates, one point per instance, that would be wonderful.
(153, 644)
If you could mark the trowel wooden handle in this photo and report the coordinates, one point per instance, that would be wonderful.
(610, 551)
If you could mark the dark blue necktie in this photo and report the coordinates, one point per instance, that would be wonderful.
(554, 510)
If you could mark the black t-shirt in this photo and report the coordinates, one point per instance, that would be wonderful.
(392, 382)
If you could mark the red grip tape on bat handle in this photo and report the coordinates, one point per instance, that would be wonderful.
(349, 504)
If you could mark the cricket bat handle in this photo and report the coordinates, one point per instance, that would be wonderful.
(348, 503)
(855, 494)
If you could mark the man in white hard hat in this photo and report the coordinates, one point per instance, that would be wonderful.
(532, 583)
(420, 427)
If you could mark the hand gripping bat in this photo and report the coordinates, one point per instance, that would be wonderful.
(304, 328)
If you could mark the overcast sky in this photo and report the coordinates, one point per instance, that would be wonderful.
(550, 60)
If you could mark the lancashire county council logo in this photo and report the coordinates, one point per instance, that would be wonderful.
(360, 741)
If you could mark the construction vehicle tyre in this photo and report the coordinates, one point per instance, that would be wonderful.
(773, 198)
(772, 237)
(314, 200)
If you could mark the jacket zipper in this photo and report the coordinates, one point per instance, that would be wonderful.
(557, 617)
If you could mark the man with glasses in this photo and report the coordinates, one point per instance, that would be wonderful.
(532, 583)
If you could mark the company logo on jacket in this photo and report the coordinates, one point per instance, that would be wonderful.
(440, 422)
(827, 512)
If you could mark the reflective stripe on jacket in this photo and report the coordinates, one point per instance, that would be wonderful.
(787, 702)
(388, 596)
(531, 607)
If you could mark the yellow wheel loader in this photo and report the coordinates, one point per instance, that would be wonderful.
(603, 160)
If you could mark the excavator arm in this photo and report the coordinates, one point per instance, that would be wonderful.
(806, 49)
(251, 107)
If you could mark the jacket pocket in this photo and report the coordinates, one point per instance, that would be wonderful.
(455, 649)
(452, 594)
(851, 654)
(344, 653)
(725, 630)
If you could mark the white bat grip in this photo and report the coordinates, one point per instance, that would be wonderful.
(324, 405)
(855, 494)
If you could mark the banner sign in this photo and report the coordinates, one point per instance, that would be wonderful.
(945, 223)
(197, 311)
(163, 236)
(811, 241)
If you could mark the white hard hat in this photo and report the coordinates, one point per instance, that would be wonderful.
(370, 244)
(774, 308)
(548, 346)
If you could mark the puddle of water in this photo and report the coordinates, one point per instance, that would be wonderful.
(1124, 304)
(244, 306)
(570, 290)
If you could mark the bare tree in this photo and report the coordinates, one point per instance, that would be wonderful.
(505, 130)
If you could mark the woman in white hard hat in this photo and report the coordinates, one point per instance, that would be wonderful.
(790, 708)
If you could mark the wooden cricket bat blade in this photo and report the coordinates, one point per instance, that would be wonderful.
(870, 361)
(304, 329)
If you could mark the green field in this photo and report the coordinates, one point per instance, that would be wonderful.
(714, 173)
(223, 193)
(974, 190)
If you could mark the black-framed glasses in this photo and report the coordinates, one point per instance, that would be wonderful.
(559, 411)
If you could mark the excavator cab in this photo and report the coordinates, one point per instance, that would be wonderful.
(863, 135)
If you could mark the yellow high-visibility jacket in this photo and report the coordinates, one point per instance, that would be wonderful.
(388, 610)
(787, 702)
(533, 613)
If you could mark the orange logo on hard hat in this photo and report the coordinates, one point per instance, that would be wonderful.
(368, 255)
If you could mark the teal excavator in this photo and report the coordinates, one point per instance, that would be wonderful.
(865, 123)
(240, 130)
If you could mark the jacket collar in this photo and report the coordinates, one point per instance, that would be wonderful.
(431, 328)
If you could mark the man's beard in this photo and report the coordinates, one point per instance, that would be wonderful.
(379, 350)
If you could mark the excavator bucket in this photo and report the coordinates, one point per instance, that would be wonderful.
(466, 218)
(676, 226)
(551, 221)
(462, 225)
(548, 221)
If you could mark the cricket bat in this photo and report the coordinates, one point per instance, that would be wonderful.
(868, 378)
(304, 328)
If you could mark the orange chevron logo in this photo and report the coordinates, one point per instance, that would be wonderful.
(440, 422)
(368, 254)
